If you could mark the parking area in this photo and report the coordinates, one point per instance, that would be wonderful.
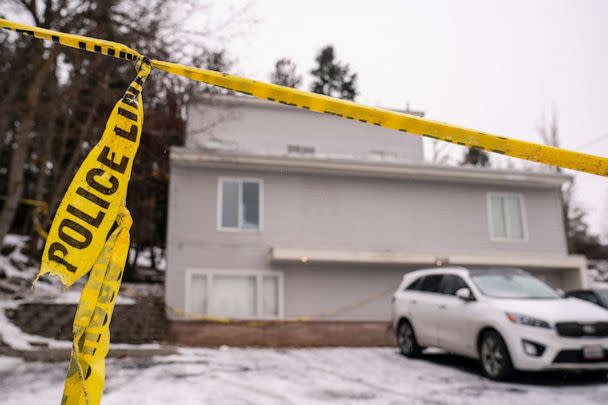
(299, 376)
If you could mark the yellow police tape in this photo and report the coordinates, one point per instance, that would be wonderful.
(97, 191)
(340, 108)
(95, 200)
(77, 244)
(40, 208)
(305, 318)
(91, 331)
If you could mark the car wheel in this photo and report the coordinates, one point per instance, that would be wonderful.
(406, 339)
(494, 357)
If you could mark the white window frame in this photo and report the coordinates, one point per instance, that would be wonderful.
(524, 217)
(259, 277)
(220, 206)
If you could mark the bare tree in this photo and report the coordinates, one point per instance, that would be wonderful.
(573, 215)
(56, 100)
(549, 135)
(439, 153)
(284, 74)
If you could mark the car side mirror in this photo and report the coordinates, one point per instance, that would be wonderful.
(464, 294)
(560, 292)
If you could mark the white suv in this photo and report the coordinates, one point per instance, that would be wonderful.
(506, 318)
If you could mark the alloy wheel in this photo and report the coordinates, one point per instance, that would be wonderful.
(406, 338)
(492, 358)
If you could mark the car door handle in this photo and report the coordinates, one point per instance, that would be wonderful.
(442, 306)
(413, 301)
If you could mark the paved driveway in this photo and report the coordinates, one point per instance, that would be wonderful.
(298, 376)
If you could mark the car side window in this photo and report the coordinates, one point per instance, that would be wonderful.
(415, 285)
(452, 283)
(587, 296)
(431, 283)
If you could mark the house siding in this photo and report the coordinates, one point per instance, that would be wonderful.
(349, 213)
(260, 127)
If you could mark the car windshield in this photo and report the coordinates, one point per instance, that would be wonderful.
(510, 284)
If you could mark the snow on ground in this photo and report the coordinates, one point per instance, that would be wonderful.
(297, 376)
(18, 272)
(145, 257)
(15, 338)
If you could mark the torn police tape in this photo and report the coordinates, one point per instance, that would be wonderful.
(94, 203)
(97, 192)
(340, 108)
(77, 242)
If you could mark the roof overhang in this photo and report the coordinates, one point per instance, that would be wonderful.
(392, 258)
(350, 167)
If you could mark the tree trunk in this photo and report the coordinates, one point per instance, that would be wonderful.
(21, 144)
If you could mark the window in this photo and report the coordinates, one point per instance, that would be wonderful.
(378, 154)
(507, 217)
(452, 283)
(431, 283)
(300, 150)
(511, 283)
(415, 285)
(240, 205)
(587, 296)
(234, 294)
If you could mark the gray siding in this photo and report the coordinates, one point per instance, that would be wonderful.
(259, 127)
(332, 212)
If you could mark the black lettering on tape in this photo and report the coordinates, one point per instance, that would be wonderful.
(127, 114)
(106, 157)
(92, 198)
(131, 135)
(80, 230)
(86, 217)
(82, 45)
(53, 256)
(129, 100)
(92, 181)
(133, 90)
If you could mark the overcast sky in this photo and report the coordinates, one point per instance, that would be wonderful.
(495, 66)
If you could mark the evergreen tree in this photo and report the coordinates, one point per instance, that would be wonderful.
(476, 157)
(333, 78)
(285, 74)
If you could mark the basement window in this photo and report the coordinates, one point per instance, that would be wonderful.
(247, 294)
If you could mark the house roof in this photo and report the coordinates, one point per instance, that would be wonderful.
(244, 100)
(338, 165)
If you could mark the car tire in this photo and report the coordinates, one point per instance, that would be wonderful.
(494, 357)
(406, 340)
